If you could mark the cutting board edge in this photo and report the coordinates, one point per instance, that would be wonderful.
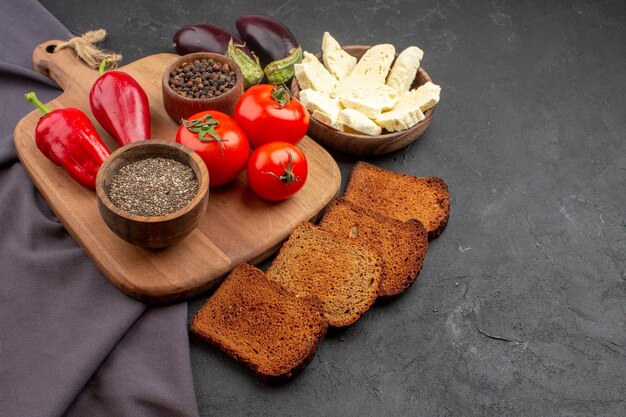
(154, 295)
(38, 167)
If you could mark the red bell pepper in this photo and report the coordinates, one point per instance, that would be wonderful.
(67, 138)
(120, 105)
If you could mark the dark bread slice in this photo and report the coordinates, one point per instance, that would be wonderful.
(261, 324)
(343, 274)
(400, 196)
(402, 245)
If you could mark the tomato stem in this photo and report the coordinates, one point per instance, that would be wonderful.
(281, 95)
(205, 128)
(287, 177)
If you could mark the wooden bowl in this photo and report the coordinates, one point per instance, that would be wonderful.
(179, 107)
(361, 144)
(155, 231)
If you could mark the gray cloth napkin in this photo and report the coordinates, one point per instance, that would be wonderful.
(70, 343)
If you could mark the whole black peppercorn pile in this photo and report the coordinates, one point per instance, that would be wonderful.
(202, 79)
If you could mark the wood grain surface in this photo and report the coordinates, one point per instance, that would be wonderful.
(237, 227)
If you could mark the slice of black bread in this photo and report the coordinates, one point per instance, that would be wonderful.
(343, 274)
(261, 324)
(402, 245)
(400, 196)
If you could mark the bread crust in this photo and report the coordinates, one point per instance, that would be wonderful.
(402, 245)
(400, 196)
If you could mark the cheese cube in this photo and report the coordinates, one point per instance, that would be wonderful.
(404, 69)
(337, 61)
(310, 73)
(358, 121)
(374, 65)
(314, 100)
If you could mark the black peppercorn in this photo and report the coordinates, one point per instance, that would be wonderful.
(202, 79)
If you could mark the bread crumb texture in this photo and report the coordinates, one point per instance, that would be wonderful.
(261, 324)
(343, 274)
(402, 245)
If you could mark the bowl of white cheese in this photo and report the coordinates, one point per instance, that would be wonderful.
(365, 100)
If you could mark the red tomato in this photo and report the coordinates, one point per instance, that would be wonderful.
(277, 170)
(219, 141)
(268, 113)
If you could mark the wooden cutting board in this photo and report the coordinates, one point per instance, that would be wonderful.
(238, 227)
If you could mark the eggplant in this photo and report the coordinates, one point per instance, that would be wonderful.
(273, 43)
(268, 38)
(205, 37)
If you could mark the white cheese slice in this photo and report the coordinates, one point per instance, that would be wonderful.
(301, 76)
(400, 119)
(425, 96)
(404, 69)
(314, 100)
(356, 120)
(406, 113)
(310, 73)
(308, 58)
(337, 61)
(370, 108)
(374, 65)
(327, 120)
(369, 98)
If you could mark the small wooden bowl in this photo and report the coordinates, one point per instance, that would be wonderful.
(179, 107)
(155, 231)
(360, 144)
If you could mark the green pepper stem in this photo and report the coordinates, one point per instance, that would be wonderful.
(32, 98)
(103, 65)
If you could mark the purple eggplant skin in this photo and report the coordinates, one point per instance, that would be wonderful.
(268, 38)
(205, 37)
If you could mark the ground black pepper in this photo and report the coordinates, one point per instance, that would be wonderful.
(202, 79)
(153, 187)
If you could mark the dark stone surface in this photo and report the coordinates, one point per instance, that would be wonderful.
(520, 307)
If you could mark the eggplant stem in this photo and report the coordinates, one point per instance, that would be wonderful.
(281, 71)
(251, 70)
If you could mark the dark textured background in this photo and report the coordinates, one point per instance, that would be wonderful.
(520, 306)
